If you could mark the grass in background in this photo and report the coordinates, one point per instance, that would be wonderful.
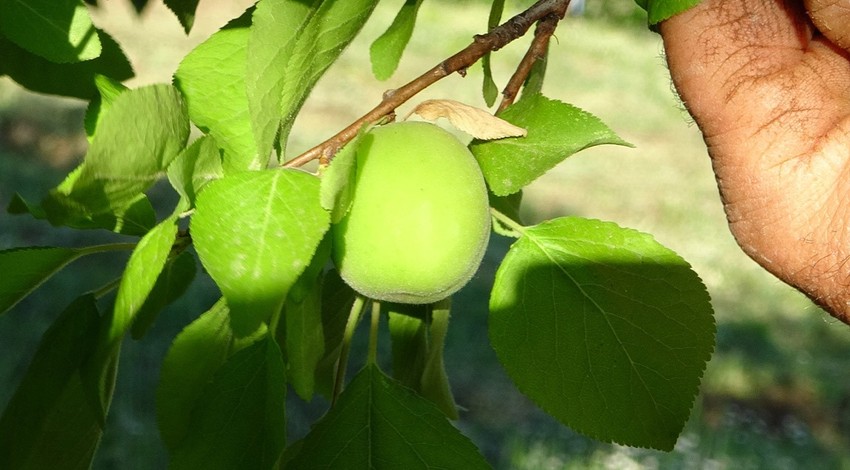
(776, 393)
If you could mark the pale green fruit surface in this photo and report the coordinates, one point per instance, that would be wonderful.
(419, 220)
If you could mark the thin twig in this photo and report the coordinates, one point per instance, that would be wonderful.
(536, 51)
(483, 43)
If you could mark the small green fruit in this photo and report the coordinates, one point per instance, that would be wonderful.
(419, 220)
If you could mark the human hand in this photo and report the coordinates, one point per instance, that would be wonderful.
(768, 83)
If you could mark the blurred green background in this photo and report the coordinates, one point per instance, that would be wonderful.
(776, 393)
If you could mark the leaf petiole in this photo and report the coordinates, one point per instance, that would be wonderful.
(512, 225)
(88, 250)
(107, 288)
(353, 319)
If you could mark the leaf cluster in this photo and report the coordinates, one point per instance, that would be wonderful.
(601, 326)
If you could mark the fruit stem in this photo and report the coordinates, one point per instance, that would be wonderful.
(342, 363)
(508, 222)
(373, 333)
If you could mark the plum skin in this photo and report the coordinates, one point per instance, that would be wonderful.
(419, 220)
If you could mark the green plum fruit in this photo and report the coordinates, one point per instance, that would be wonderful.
(419, 219)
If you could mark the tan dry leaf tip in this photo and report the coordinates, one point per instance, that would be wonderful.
(477, 122)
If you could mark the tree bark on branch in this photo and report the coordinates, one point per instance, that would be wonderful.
(550, 11)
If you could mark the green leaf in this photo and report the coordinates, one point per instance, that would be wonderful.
(305, 341)
(533, 85)
(508, 206)
(140, 276)
(135, 219)
(303, 332)
(660, 10)
(171, 284)
(212, 78)
(379, 424)
(196, 166)
(603, 328)
(194, 357)
(337, 189)
(489, 88)
(58, 30)
(418, 334)
(185, 12)
(255, 233)
(106, 185)
(49, 422)
(239, 421)
(386, 51)
(25, 269)
(434, 384)
(108, 89)
(555, 131)
(409, 337)
(78, 79)
(291, 46)
(278, 25)
(337, 300)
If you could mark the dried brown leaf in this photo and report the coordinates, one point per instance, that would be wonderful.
(478, 123)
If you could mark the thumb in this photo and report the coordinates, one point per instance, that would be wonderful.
(832, 18)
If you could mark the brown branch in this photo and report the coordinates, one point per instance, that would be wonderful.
(482, 44)
(536, 51)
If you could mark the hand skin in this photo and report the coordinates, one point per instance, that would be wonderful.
(768, 83)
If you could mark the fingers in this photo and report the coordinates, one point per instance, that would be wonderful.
(832, 18)
(770, 95)
(718, 49)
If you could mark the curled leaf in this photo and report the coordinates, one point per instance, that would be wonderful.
(474, 121)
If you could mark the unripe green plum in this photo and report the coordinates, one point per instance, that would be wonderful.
(419, 219)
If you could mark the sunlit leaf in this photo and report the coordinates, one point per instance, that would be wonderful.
(338, 179)
(197, 165)
(212, 78)
(304, 342)
(57, 30)
(488, 87)
(140, 276)
(170, 285)
(185, 12)
(149, 127)
(108, 89)
(555, 131)
(603, 328)
(291, 45)
(194, 357)
(660, 10)
(78, 79)
(379, 424)
(255, 233)
(386, 51)
(533, 85)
